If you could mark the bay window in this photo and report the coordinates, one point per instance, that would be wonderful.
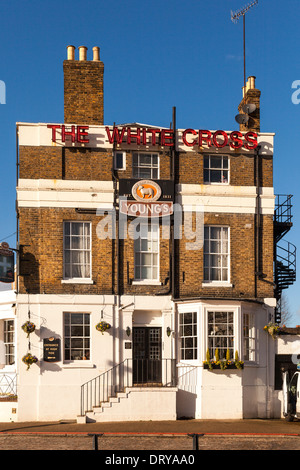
(188, 335)
(220, 333)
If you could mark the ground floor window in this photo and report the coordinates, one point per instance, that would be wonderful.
(9, 339)
(248, 337)
(188, 335)
(221, 333)
(76, 336)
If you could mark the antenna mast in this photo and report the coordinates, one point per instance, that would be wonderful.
(235, 16)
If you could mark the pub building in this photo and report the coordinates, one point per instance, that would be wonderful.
(146, 264)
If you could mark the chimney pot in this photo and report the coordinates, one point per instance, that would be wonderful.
(251, 81)
(82, 52)
(96, 53)
(71, 52)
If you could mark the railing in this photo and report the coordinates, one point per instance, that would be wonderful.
(283, 208)
(285, 266)
(8, 384)
(129, 373)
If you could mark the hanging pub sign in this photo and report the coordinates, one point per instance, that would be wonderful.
(149, 191)
(51, 349)
(146, 198)
(7, 263)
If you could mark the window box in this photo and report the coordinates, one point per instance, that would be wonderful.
(223, 365)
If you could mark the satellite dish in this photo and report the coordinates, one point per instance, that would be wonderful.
(242, 118)
(249, 108)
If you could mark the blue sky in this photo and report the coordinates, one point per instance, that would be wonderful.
(157, 54)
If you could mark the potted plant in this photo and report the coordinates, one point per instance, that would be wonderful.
(224, 364)
(29, 359)
(273, 329)
(28, 327)
(103, 326)
(238, 364)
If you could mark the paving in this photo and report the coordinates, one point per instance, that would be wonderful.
(173, 436)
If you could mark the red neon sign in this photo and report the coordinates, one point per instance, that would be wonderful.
(219, 139)
(156, 136)
(75, 133)
(141, 136)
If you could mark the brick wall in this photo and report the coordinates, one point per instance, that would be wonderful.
(41, 268)
(96, 164)
(83, 92)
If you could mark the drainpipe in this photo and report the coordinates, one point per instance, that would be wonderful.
(171, 289)
(17, 211)
(117, 290)
(258, 182)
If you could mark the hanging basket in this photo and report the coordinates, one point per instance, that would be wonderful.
(103, 326)
(272, 329)
(28, 327)
(29, 359)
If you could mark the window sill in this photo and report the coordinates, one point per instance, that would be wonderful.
(77, 281)
(146, 282)
(78, 365)
(217, 184)
(216, 284)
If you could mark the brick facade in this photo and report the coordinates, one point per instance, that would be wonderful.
(41, 229)
(216, 293)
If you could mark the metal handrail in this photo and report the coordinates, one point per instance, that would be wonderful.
(283, 208)
(126, 374)
(288, 258)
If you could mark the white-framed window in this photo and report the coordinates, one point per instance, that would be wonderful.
(216, 254)
(76, 336)
(248, 337)
(145, 165)
(119, 160)
(146, 253)
(77, 250)
(9, 341)
(220, 326)
(188, 335)
(216, 169)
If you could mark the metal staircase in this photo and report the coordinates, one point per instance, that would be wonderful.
(284, 251)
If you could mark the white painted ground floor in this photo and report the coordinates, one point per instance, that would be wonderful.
(149, 363)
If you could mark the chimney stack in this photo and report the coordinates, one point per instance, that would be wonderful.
(83, 87)
(251, 95)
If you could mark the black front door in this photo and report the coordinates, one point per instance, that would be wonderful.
(146, 355)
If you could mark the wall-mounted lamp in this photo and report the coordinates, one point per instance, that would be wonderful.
(168, 331)
(128, 331)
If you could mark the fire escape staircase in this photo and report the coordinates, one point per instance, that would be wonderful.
(284, 251)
